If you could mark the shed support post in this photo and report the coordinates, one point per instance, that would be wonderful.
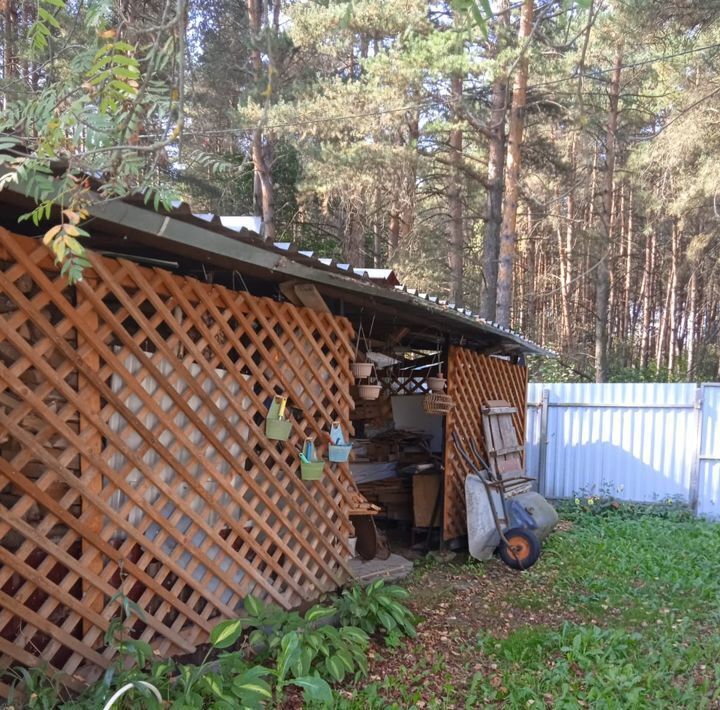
(542, 460)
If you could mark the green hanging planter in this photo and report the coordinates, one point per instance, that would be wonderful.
(276, 426)
(311, 471)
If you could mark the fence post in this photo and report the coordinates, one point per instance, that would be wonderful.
(694, 492)
(542, 459)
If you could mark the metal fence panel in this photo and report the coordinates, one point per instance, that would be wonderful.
(637, 441)
(709, 458)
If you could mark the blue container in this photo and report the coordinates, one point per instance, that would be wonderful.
(338, 453)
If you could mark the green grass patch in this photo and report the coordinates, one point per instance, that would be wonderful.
(628, 609)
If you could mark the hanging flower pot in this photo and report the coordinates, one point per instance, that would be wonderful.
(277, 427)
(369, 392)
(436, 384)
(338, 449)
(361, 370)
(312, 470)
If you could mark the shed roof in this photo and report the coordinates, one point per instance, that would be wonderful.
(235, 243)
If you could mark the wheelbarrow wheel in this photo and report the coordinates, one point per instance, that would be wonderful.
(521, 550)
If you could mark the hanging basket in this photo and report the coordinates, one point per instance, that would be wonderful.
(369, 392)
(436, 384)
(338, 453)
(361, 370)
(276, 426)
(311, 471)
(437, 403)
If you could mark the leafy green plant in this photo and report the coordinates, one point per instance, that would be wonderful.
(41, 689)
(331, 652)
(377, 606)
(269, 624)
(315, 688)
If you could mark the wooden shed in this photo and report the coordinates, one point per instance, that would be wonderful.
(133, 453)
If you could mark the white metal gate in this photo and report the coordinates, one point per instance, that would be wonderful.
(640, 442)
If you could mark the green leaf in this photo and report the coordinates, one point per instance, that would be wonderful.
(319, 612)
(289, 645)
(212, 682)
(252, 604)
(45, 16)
(250, 684)
(226, 633)
(355, 634)
(335, 667)
(386, 620)
(346, 659)
(316, 689)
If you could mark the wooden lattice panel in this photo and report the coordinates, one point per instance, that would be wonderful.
(473, 379)
(133, 457)
(408, 383)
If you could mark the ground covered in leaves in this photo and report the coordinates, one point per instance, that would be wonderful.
(621, 611)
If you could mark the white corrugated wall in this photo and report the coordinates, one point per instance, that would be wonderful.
(709, 459)
(637, 441)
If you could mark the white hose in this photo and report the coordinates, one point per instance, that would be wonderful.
(129, 686)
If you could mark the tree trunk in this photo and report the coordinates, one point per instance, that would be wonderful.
(455, 206)
(662, 330)
(9, 59)
(561, 235)
(262, 150)
(393, 234)
(673, 315)
(570, 241)
(647, 299)
(602, 273)
(496, 167)
(508, 236)
(530, 311)
(691, 326)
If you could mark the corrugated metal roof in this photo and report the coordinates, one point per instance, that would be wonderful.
(248, 230)
(388, 276)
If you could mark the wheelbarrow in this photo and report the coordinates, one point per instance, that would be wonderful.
(519, 546)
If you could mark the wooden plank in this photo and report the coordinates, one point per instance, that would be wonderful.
(310, 297)
(90, 475)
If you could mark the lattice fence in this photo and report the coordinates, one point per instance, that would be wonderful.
(133, 457)
(472, 380)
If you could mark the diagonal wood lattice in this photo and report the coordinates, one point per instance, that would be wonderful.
(133, 457)
(474, 379)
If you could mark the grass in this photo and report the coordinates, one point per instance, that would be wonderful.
(621, 611)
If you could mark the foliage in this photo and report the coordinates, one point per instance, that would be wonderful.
(320, 647)
(377, 606)
(287, 649)
(95, 122)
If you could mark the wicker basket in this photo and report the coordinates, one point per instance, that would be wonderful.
(437, 403)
